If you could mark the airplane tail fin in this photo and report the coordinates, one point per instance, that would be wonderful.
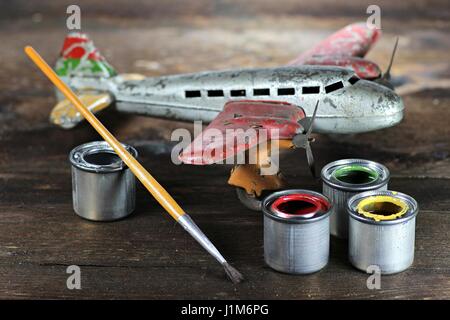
(80, 57)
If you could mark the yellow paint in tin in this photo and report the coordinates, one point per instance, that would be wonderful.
(381, 208)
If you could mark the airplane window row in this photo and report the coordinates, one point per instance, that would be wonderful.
(256, 92)
(266, 91)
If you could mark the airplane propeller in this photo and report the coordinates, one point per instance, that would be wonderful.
(386, 77)
(303, 140)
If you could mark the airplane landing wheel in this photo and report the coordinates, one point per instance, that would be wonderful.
(250, 201)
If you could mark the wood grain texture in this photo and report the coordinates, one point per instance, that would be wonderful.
(147, 255)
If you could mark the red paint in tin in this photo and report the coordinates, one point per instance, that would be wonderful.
(299, 204)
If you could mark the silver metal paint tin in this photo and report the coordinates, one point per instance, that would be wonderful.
(388, 244)
(343, 179)
(296, 231)
(103, 188)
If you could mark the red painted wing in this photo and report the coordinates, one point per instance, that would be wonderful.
(365, 69)
(240, 126)
(345, 48)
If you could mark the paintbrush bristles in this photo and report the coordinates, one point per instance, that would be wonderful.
(234, 275)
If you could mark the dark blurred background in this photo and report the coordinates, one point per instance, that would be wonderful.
(403, 10)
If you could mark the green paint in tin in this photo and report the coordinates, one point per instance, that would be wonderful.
(355, 174)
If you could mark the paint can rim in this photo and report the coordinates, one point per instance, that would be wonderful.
(328, 177)
(292, 218)
(78, 157)
(412, 211)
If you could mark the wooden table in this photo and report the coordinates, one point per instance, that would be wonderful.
(147, 255)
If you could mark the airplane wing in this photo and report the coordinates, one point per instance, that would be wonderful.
(65, 115)
(345, 48)
(241, 126)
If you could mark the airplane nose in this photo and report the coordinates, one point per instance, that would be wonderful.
(380, 102)
(391, 103)
(395, 108)
(362, 107)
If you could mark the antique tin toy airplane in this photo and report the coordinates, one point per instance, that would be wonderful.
(354, 97)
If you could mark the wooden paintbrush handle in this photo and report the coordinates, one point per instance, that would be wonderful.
(160, 194)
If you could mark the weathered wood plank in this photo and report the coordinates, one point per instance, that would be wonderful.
(147, 255)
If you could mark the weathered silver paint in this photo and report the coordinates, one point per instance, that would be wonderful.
(361, 107)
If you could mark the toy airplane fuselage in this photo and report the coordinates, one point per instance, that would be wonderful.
(353, 95)
(348, 104)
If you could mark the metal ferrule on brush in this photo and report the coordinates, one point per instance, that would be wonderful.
(189, 225)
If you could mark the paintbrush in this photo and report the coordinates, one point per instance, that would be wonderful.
(150, 183)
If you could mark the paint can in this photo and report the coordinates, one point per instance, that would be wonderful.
(296, 231)
(382, 230)
(343, 179)
(103, 188)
